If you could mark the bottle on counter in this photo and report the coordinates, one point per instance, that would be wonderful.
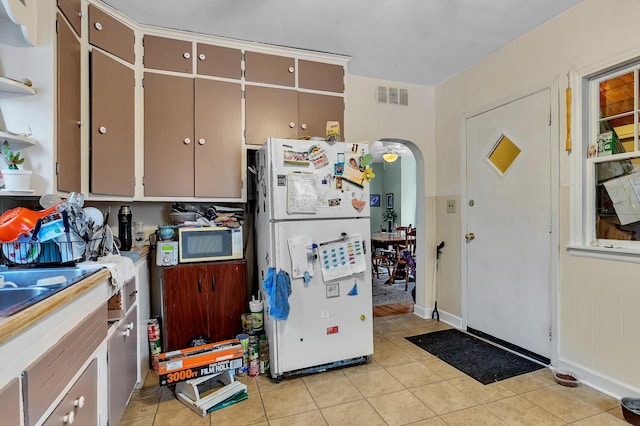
(138, 234)
(124, 228)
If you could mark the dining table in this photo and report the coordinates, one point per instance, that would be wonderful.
(394, 239)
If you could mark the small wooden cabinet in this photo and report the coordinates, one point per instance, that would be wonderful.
(204, 299)
(111, 35)
(10, 403)
(284, 113)
(271, 69)
(112, 127)
(193, 137)
(72, 10)
(69, 116)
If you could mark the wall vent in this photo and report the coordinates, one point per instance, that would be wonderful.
(392, 96)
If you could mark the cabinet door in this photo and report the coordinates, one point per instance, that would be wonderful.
(167, 54)
(270, 112)
(315, 110)
(112, 126)
(218, 134)
(227, 300)
(185, 305)
(168, 135)
(10, 403)
(271, 69)
(71, 9)
(81, 400)
(320, 76)
(219, 61)
(111, 35)
(122, 365)
(68, 144)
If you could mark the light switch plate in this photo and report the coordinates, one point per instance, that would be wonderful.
(451, 206)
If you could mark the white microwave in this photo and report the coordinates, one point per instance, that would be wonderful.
(204, 244)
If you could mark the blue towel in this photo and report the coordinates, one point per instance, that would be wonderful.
(278, 287)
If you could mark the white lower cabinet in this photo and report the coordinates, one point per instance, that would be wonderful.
(122, 365)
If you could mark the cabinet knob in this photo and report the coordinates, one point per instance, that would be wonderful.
(126, 333)
(292, 125)
(130, 326)
(79, 402)
(202, 57)
(80, 123)
(80, 14)
(68, 418)
(98, 26)
(187, 141)
(201, 141)
(303, 126)
(102, 130)
(186, 55)
(291, 69)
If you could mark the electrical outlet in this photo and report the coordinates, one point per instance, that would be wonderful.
(451, 206)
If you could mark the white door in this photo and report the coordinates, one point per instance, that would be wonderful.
(508, 223)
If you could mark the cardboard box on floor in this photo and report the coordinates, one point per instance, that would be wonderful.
(190, 363)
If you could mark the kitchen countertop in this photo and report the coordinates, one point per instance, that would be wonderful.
(14, 324)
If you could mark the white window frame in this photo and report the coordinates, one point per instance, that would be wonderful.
(584, 107)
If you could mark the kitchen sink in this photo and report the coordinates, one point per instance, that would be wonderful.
(26, 286)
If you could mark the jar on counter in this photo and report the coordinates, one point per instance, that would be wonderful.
(138, 234)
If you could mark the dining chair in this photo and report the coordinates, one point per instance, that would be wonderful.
(405, 261)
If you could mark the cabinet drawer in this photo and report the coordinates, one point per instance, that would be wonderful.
(129, 293)
(10, 403)
(111, 35)
(271, 69)
(219, 61)
(80, 404)
(167, 54)
(43, 380)
(320, 76)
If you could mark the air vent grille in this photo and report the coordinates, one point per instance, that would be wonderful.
(392, 96)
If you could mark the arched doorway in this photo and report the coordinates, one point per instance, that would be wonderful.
(407, 191)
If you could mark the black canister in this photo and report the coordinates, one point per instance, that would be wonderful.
(124, 228)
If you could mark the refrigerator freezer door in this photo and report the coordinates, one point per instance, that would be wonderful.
(329, 321)
(314, 179)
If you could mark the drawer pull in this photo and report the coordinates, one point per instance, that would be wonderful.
(68, 418)
(133, 293)
(79, 402)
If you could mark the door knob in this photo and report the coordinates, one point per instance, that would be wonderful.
(470, 236)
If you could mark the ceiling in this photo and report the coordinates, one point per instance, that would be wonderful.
(412, 41)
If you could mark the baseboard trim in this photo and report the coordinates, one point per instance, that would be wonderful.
(452, 320)
(600, 382)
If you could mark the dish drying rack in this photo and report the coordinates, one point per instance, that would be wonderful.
(65, 236)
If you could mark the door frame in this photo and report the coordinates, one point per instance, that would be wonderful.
(554, 252)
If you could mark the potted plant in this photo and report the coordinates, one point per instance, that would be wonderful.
(14, 178)
(389, 216)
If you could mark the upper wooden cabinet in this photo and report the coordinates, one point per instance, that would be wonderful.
(167, 54)
(193, 137)
(71, 9)
(271, 69)
(285, 113)
(112, 127)
(68, 103)
(320, 76)
(218, 61)
(111, 35)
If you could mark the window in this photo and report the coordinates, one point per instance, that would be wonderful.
(611, 155)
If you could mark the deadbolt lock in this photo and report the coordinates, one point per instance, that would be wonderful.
(470, 236)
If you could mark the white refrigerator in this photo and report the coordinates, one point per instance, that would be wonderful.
(312, 225)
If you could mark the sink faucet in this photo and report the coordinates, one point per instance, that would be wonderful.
(4, 283)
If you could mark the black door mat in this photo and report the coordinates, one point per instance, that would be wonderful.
(481, 360)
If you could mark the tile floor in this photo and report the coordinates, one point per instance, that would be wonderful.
(403, 384)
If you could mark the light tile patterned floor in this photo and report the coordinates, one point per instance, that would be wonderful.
(402, 385)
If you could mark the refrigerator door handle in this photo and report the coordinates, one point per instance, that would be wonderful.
(199, 284)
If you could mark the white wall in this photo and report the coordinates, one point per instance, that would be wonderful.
(599, 337)
(369, 121)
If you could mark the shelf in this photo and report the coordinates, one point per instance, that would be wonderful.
(12, 86)
(16, 141)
